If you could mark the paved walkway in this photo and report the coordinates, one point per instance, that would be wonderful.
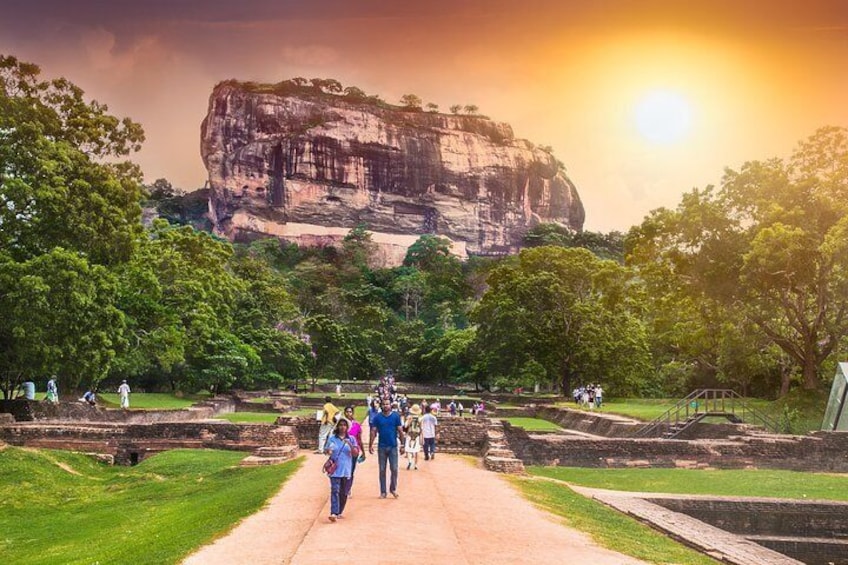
(449, 511)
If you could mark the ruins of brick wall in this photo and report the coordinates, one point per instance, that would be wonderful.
(595, 423)
(30, 410)
(132, 442)
(821, 451)
(810, 531)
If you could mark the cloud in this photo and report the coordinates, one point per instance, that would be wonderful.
(311, 55)
(104, 56)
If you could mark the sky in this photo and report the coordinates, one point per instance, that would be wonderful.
(642, 100)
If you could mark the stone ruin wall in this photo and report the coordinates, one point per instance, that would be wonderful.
(820, 451)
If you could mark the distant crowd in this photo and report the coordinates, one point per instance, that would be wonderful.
(591, 396)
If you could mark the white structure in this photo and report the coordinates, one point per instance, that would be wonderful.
(835, 417)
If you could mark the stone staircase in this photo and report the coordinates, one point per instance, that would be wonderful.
(270, 456)
(497, 456)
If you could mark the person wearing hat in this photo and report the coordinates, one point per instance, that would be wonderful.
(328, 421)
(124, 391)
(412, 427)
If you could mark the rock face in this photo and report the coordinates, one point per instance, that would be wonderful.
(308, 166)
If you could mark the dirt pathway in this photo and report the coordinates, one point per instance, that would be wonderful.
(449, 511)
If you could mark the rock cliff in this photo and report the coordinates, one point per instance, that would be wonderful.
(308, 166)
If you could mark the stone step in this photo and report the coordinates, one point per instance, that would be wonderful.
(253, 461)
(282, 451)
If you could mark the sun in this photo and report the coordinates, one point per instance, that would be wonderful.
(663, 117)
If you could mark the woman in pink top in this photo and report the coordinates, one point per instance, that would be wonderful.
(356, 432)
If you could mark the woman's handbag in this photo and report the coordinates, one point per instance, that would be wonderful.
(332, 463)
(330, 466)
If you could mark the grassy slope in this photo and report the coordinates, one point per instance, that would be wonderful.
(607, 527)
(156, 512)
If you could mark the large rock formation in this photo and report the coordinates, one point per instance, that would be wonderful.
(307, 166)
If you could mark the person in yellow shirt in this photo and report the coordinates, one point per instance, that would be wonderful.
(328, 420)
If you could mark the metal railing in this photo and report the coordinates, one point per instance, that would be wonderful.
(708, 402)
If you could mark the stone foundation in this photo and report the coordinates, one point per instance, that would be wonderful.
(820, 451)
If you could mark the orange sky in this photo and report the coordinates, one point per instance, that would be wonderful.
(757, 75)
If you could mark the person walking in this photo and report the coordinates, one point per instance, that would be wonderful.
(124, 391)
(388, 426)
(412, 445)
(52, 390)
(328, 420)
(343, 449)
(354, 431)
(428, 432)
(599, 396)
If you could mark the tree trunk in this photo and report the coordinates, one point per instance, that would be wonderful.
(811, 373)
(785, 375)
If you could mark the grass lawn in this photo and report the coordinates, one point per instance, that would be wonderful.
(725, 482)
(607, 527)
(533, 424)
(150, 400)
(249, 417)
(61, 507)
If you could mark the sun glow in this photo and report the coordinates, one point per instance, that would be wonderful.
(663, 116)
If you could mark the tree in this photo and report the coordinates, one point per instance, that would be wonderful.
(456, 108)
(769, 244)
(59, 317)
(568, 312)
(431, 107)
(605, 246)
(56, 190)
(161, 189)
(355, 93)
(180, 296)
(471, 109)
(411, 102)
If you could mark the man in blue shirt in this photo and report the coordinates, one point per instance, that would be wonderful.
(390, 428)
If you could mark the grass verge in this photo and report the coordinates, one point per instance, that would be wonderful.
(606, 526)
(250, 417)
(61, 507)
(533, 424)
(724, 482)
(150, 400)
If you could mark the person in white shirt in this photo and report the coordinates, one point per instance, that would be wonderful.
(428, 432)
(124, 391)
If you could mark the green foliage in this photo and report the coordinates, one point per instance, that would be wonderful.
(567, 311)
(60, 507)
(59, 317)
(54, 189)
(759, 264)
(605, 246)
